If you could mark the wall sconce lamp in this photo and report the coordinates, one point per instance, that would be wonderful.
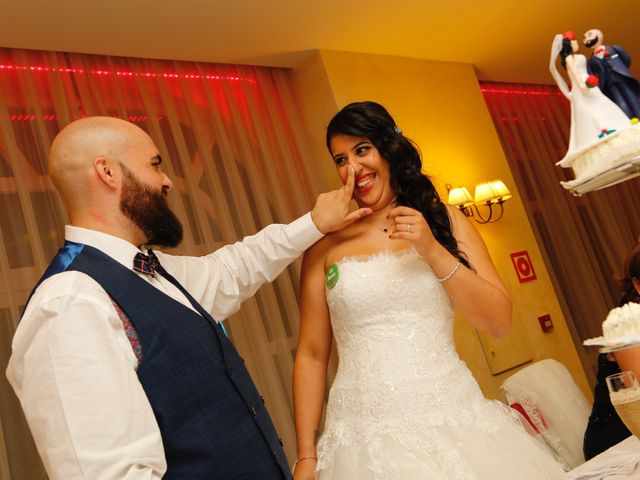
(487, 194)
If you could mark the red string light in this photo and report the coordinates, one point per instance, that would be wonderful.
(33, 68)
(520, 90)
(126, 73)
(30, 117)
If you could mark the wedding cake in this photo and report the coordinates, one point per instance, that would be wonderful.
(612, 151)
(622, 321)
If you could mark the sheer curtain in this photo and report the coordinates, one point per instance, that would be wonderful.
(236, 150)
(585, 239)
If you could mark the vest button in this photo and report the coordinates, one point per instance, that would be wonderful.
(274, 453)
(262, 398)
(253, 411)
(281, 442)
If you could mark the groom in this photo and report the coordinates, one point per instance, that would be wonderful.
(611, 65)
(118, 362)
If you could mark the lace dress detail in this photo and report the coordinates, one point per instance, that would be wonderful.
(403, 405)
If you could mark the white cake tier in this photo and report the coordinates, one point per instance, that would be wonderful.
(610, 152)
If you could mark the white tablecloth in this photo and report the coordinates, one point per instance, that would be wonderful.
(620, 462)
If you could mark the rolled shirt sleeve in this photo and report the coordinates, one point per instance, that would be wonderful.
(224, 279)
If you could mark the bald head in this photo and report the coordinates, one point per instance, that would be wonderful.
(593, 38)
(79, 144)
(108, 173)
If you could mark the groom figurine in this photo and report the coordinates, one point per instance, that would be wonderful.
(120, 362)
(611, 65)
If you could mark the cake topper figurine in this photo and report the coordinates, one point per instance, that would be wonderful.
(610, 63)
(592, 113)
(601, 137)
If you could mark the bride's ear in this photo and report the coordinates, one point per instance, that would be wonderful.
(636, 283)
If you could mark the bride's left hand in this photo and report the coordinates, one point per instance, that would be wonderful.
(409, 224)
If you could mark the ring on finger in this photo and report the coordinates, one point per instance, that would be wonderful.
(408, 228)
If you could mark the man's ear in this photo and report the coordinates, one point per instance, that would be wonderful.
(636, 283)
(106, 171)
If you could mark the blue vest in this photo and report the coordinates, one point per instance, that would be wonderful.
(213, 421)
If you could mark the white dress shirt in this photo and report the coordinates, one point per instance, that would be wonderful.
(73, 367)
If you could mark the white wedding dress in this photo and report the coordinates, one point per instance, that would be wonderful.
(403, 405)
(591, 113)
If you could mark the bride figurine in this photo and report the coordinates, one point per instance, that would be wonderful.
(593, 115)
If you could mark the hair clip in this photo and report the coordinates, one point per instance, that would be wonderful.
(397, 129)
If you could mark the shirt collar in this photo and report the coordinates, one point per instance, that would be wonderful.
(116, 247)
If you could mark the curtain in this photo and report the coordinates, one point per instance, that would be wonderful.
(584, 240)
(236, 149)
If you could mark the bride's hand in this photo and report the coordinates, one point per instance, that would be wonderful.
(410, 224)
(305, 470)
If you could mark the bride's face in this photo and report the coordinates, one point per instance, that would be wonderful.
(574, 46)
(372, 187)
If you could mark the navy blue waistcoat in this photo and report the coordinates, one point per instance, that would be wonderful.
(212, 419)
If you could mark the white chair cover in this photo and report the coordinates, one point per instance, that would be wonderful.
(555, 405)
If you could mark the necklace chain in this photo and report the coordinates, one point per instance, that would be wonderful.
(384, 229)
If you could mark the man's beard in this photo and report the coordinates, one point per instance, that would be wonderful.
(149, 211)
(591, 42)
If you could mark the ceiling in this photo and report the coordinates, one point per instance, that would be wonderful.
(505, 40)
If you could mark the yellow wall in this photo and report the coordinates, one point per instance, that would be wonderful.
(440, 106)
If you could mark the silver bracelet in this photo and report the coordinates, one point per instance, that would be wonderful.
(451, 273)
(301, 459)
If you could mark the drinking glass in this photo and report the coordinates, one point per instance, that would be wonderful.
(624, 391)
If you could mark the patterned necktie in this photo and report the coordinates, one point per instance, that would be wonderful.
(148, 264)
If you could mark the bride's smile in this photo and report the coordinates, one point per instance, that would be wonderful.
(372, 188)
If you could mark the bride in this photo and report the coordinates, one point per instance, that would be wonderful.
(403, 405)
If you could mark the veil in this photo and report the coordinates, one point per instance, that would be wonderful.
(556, 47)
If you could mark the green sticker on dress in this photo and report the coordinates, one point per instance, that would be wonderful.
(332, 276)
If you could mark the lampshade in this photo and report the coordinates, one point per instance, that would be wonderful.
(460, 197)
(484, 194)
(487, 195)
(501, 190)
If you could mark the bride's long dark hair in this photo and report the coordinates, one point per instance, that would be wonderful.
(567, 50)
(413, 188)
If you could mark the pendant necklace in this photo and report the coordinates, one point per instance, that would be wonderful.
(384, 229)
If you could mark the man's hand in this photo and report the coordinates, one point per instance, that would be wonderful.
(331, 211)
